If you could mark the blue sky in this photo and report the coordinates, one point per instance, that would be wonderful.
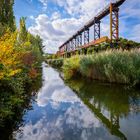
(56, 20)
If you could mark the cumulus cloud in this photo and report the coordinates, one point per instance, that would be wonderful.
(57, 28)
(56, 15)
(54, 32)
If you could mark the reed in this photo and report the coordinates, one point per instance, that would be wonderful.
(114, 66)
(71, 67)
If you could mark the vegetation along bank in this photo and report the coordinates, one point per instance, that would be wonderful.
(112, 65)
(20, 62)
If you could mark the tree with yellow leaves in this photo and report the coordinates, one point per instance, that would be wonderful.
(9, 56)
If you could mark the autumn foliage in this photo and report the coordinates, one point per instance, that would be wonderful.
(20, 61)
(9, 56)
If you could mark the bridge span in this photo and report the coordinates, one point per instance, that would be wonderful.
(80, 39)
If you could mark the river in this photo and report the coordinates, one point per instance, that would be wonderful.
(86, 111)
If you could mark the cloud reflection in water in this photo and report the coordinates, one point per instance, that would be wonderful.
(58, 114)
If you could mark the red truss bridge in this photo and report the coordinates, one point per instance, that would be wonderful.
(80, 39)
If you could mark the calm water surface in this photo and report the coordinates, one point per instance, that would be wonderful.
(86, 111)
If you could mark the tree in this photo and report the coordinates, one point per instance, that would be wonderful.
(9, 56)
(7, 17)
(22, 30)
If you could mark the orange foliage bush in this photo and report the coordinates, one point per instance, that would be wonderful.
(33, 73)
(28, 59)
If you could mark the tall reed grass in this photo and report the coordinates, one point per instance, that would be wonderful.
(71, 67)
(115, 66)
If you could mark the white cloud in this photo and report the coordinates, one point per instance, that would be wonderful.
(56, 15)
(31, 17)
(56, 30)
(83, 7)
(44, 2)
(135, 33)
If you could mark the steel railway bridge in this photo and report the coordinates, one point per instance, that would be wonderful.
(80, 40)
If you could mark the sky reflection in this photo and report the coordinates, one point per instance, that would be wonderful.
(58, 114)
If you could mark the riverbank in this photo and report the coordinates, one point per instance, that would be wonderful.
(20, 68)
(113, 66)
(14, 104)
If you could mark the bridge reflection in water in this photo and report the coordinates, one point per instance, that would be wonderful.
(110, 103)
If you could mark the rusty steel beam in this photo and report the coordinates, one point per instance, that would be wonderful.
(114, 23)
(97, 30)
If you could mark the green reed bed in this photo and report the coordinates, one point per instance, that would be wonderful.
(115, 66)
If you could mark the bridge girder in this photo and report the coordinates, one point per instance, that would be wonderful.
(114, 23)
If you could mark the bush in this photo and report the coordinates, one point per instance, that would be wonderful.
(57, 63)
(71, 67)
(20, 64)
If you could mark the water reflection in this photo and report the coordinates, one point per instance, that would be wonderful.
(113, 105)
(60, 114)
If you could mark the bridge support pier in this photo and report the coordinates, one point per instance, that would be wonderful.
(79, 40)
(73, 44)
(114, 23)
(70, 45)
(86, 36)
(97, 32)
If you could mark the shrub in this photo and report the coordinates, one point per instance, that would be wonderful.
(57, 63)
(90, 50)
(71, 67)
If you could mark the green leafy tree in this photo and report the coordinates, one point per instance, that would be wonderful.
(22, 30)
(7, 17)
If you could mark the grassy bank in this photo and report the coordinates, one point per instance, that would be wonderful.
(114, 66)
(57, 63)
